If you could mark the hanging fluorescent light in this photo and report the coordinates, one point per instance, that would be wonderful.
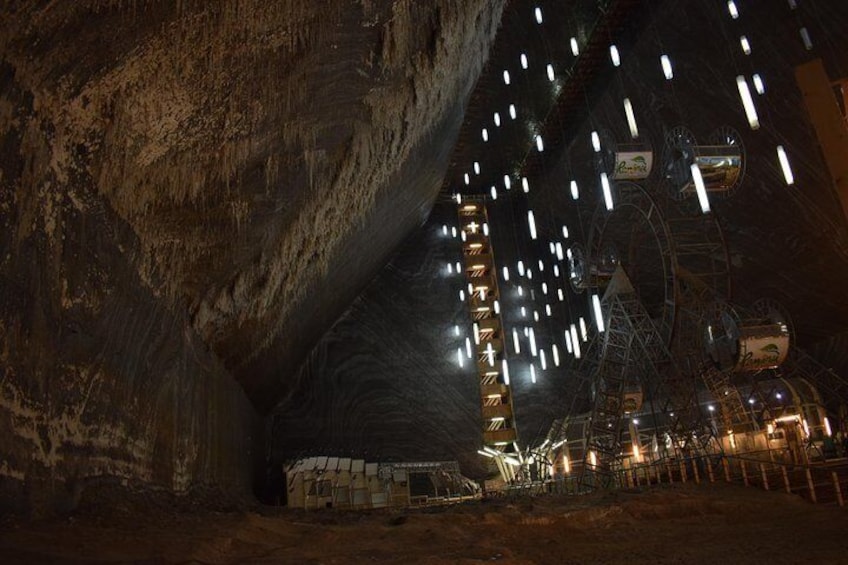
(556, 270)
(476, 327)
(614, 56)
(759, 85)
(544, 288)
(631, 118)
(560, 295)
(520, 269)
(784, 165)
(568, 345)
(524, 63)
(485, 134)
(506, 273)
(541, 266)
(497, 307)
(464, 237)
(559, 252)
(506, 77)
(444, 229)
(505, 371)
(450, 268)
(525, 184)
(596, 141)
(533, 351)
(550, 71)
(552, 247)
(575, 50)
(746, 45)
(468, 347)
(538, 14)
(531, 221)
(512, 112)
(805, 37)
(732, 10)
(497, 118)
(467, 178)
(476, 168)
(540, 145)
(507, 182)
(700, 189)
(668, 72)
(747, 102)
(457, 267)
(548, 312)
(542, 361)
(555, 354)
(486, 229)
(456, 330)
(574, 342)
(583, 333)
(605, 186)
(599, 315)
(458, 198)
(515, 345)
(530, 274)
(523, 312)
(459, 356)
(565, 232)
(462, 296)
(494, 192)
(490, 353)
(532, 374)
(575, 194)
(535, 315)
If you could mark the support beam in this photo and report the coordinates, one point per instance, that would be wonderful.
(828, 121)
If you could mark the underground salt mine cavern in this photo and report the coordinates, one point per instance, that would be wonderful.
(407, 281)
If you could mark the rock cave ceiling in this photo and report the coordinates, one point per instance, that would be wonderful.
(795, 252)
(385, 379)
(252, 150)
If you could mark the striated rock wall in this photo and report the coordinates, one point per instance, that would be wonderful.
(190, 193)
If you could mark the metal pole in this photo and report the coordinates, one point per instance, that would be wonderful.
(838, 488)
(811, 486)
(786, 479)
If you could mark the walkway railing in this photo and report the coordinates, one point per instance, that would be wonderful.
(822, 483)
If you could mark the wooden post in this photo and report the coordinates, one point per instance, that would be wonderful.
(683, 471)
(744, 473)
(726, 465)
(710, 470)
(837, 488)
(765, 477)
(811, 485)
(786, 479)
(695, 471)
(670, 476)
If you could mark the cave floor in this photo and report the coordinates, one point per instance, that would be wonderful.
(667, 524)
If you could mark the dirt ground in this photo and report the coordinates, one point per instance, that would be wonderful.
(668, 524)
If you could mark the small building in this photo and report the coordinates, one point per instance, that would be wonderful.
(342, 482)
